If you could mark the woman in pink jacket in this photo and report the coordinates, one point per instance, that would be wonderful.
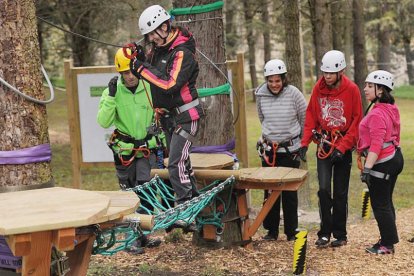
(379, 139)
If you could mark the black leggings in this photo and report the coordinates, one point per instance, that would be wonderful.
(380, 191)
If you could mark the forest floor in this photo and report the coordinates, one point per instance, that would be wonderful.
(270, 257)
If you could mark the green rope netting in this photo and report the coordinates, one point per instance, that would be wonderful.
(197, 9)
(160, 197)
(222, 89)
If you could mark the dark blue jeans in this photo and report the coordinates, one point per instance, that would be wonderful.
(380, 192)
(333, 207)
(289, 202)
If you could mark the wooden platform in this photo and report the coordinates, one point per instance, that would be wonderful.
(32, 221)
(209, 161)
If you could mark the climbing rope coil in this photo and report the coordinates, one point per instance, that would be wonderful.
(156, 192)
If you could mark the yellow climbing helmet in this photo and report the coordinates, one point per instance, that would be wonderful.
(121, 61)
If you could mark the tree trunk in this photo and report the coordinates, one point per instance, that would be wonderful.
(360, 57)
(251, 43)
(341, 16)
(405, 22)
(231, 32)
(266, 31)
(321, 26)
(293, 49)
(384, 40)
(217, 127)
(24, 123)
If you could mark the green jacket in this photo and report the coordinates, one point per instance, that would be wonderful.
(130, 113)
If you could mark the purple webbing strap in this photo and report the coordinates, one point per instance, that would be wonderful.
(217, 149)
(40, 153)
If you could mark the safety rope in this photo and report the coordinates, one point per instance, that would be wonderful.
(123, 235)
(27, 97)
(197, 9)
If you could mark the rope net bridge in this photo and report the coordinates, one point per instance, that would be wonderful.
(160, 197)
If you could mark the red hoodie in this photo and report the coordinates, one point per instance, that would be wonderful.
(339, 108)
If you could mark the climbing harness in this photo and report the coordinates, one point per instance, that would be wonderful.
(326, 141)
(116, 147)
(374, 173)
(267, 148)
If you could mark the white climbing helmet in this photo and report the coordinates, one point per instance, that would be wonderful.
(381, 77)
(151, 18)
(274, 67)
(333, 61)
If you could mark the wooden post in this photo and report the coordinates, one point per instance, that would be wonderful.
(73, 119)
(239, 109)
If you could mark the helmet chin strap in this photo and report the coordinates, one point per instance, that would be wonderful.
(373, 101)
(164, 39)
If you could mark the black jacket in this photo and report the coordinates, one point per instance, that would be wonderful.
(172, 72)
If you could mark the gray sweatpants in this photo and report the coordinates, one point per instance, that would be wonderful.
(179, 164)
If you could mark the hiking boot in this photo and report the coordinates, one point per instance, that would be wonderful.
(380, 249)
(271, 236)
(135, 250)
(322, 242)
(187, 227)
(192, 227)
(150, 242)
(339, 242)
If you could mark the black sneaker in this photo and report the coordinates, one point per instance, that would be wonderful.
(380, 249)
(192, 227)
(150, 242)
(271, 236)
(339, 243)
(291, 238)
(322, 242)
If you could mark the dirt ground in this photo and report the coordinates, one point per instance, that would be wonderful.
(271, 257)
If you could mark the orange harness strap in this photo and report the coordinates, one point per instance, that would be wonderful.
(323, 139)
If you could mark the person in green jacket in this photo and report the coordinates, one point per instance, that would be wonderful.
(126, 104)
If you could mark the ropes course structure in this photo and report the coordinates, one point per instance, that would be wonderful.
(158, 195)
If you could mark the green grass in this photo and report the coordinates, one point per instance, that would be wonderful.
(404, 92)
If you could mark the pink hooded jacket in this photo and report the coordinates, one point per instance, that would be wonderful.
(381, 125)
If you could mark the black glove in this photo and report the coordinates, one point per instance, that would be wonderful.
(112, 85)
(302, 153)
(365, 176)
(134, 65)
(140, 52)
(336, 156)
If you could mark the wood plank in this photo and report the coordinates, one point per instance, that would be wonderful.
(209, 161)
(79, 257)
(122, 203)
(49, 209)
(64, 239)
(37, 263)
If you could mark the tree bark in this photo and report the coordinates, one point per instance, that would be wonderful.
(217, 127)
(24, 123)
(322, 29)
(360, 56)
(293, 48)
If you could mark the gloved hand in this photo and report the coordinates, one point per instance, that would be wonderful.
(365, 176)
(134, 65)
(112, 85)
(302, 153)
(336, 156)
(140, 52)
